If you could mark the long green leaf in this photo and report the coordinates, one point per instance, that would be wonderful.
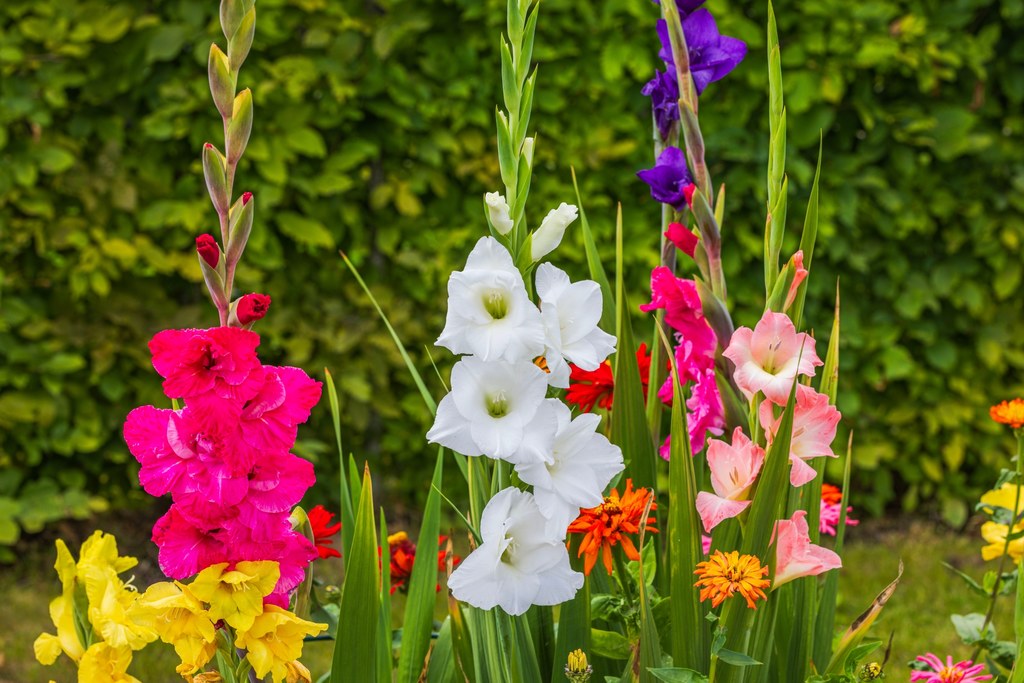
(384, 641)
(597, 272)
(441, 668)
(830, 371)
(347, 515)
(355, 650)
(419, 607)
(573, 618)
(650, 643)
(413, 372)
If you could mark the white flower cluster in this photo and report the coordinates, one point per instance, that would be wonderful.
(498, 407)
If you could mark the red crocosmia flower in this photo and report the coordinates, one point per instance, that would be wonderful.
(208, 250)
(323, 530)
(590, 387)
(252, 307)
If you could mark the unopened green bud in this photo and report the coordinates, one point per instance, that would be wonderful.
(216, 178)
(577, 670)
(239, 126)
(222, 82)
(231, 14)
(240, 42)
(241, 225)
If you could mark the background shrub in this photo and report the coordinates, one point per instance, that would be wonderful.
(374, 134)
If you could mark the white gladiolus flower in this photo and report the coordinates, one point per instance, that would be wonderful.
(492, 409)
(571, 312)
(575, 472)
(549, 234)
(489, 312)
(498, 211)
(518, 564)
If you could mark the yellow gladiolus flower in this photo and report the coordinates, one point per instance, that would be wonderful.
(274, 641)
(296, 672)
(103, 663)
(100, 551)
(179, 618)
(47, 646)
(995, 533)
(236, 596)
(112, 609)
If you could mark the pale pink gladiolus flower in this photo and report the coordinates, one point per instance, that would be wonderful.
(734, 467)
(795, 555)
(814, 428)
(769, 357)
(948, 672)
(799, 275)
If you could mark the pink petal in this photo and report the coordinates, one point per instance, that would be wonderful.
(714, 509)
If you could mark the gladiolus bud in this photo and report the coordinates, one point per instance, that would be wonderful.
(799, 275)
(216, 177)
(240, 126)
(688, 194)
(252, 307)
(498, 212)
(231, 14)
(222, 81)
(681, 236)
(549, 234)
(240, 42)
(241, 225)
(208, 250)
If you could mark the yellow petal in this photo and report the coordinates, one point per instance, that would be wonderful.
(47, 648)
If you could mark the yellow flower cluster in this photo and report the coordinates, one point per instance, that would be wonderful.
(995, 533)
(100, 619)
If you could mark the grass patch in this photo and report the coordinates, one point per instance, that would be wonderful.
(918, 613)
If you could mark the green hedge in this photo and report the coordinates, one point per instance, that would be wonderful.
(374, 134)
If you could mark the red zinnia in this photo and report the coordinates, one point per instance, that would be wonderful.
(320, 523)
(403, 555)
(587, 387)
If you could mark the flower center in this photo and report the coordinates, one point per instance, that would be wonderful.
(497, 404)
(496, 303)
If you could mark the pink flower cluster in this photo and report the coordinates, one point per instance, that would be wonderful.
(694, 354)
(224, 457)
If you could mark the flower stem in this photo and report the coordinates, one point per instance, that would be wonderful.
(1006, 544)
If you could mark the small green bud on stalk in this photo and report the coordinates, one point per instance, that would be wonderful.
(222, 81)
(240, 42)
(216, 178)
(241, 225)
(232, 13)
(239, 126)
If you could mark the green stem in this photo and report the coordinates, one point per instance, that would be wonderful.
(1006, 544)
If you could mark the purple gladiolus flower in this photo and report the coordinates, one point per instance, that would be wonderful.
(712, 55)
(670, 180)
(663, 90)
(686, 7)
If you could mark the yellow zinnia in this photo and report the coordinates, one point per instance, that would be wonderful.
(274, 643)
(236, 596)
(995, 533)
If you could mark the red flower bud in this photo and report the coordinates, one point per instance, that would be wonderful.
(688, 194)
(208, 250)
(246, 196)
(252, 307)
(682, 237)
(207, 145)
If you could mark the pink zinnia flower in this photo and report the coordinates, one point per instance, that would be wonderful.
(831, 508)
(195, 362)
(814, 428)
(961, 672)
(770, 356)
(683, 309)
(734, 468)
(795, 555)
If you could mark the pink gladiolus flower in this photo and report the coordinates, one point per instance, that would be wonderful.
(683, 310)
(705, 413)
(770, 356)
(270, 420)
(734, 468)
(961, 672)
(795, 555)
(814, 428)
(186, 549)
(799, 275)
(220, 360)
(681, 236)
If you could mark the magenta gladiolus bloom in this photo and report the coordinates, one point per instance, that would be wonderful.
(770, 356)
(734, 468)
(795, 555)
(948, 672)
(684, 312)
(814, 428)
(196, 362)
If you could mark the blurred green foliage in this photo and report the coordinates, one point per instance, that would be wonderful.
(374, 134)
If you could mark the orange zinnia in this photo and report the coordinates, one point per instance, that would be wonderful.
(831, 495)
(608, 523)
(1009, 413)
(726, 574)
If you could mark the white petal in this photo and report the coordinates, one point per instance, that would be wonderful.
(451, 429)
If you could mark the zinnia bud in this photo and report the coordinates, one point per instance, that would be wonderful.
(208, 250)
(549, 234)
(252, 307)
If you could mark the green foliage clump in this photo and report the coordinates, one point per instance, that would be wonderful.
(374, 134)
